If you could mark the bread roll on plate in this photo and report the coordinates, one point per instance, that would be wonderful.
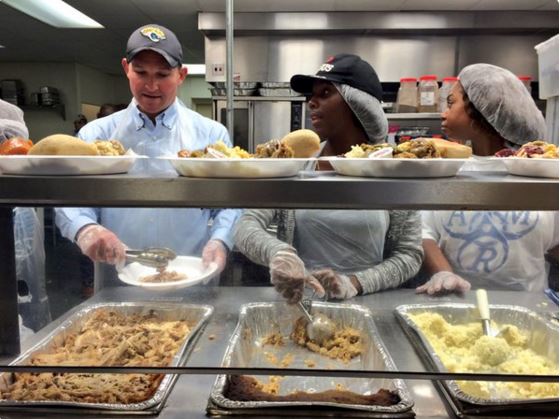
(450, 149)
(63, 145)
(304, 142)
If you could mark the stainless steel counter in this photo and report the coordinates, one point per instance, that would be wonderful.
(468, 190)
(190, 394)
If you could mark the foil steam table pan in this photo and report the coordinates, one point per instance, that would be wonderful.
(542, 337)
(195, 315)
(246, 349)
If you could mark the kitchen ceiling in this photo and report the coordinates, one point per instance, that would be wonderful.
(28, 40)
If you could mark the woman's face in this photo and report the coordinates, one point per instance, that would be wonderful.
(329, 112)
(455, 122)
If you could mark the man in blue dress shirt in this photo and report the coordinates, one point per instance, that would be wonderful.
(155, 123)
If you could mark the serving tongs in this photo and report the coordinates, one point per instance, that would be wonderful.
(154, 257)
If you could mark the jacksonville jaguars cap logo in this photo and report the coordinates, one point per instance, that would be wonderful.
(152, 33)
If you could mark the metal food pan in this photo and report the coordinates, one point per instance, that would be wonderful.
(195, 315)
(277, 91)
(258, 320)
(542, 338)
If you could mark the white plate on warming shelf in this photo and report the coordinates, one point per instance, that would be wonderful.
(523, 166)
(66, 165)
(237, 168)
(191, 266)
(397, 168)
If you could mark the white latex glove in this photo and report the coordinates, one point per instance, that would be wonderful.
(444, 282)
(337, 286)
(215, 251)
(289, 276)
(101, 245)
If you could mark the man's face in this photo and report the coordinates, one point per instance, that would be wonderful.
(153, 82)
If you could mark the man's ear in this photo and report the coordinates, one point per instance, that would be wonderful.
(183, 71)
(124, 64)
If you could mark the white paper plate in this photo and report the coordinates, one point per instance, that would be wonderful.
(523, 166)
(188, 265)
(237, 168)
(398, 168)
(66, 165)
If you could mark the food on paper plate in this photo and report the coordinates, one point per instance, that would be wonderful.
(15, 145)
(164, 276)
(532, 150)
(67, 145)
(418, 148)
(301, 143)
(304, 142)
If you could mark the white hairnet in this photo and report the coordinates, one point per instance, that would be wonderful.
(11, 121)
(368, 110)
(504, 102)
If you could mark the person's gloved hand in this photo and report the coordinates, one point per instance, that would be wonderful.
(289, 276)
(444, 282)
(337, 286)
(101, 245)
(215, 251)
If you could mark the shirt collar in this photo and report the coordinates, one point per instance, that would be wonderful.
(167, 118)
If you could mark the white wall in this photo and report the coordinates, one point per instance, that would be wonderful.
(194, 87)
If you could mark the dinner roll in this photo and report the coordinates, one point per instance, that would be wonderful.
(304, 142)
(63, 145)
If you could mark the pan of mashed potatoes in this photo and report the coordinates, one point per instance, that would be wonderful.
(451, 337)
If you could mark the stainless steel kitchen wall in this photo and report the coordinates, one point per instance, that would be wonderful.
(274, 46)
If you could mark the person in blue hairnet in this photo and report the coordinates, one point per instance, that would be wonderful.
(338, 253)
(155, 123)
(490, 107)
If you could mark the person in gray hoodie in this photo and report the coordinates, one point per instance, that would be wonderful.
(337, 253)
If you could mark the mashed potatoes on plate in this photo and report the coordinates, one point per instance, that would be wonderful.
(464, 348)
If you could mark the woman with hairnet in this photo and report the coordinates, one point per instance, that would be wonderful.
(28, 240)
(340, 253)
(492, 108)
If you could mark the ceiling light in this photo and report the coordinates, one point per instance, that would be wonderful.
(54, 12)
(195, 69)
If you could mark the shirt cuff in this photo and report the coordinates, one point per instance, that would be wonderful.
(77, 224)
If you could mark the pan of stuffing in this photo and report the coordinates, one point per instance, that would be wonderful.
(273, 335)
(107, 334)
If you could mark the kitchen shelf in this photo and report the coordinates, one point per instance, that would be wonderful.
(468, 190)
(57, 108)
(262, 98)
(412, 115)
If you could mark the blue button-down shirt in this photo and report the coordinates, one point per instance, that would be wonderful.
(185, 230)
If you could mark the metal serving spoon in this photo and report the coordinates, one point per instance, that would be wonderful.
(155, 257)
(319, 327)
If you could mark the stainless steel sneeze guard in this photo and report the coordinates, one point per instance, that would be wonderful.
(542, 338)
(258, 320)
(195, 315)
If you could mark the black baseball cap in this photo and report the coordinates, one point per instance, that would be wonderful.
(342, 68)
(155, 38)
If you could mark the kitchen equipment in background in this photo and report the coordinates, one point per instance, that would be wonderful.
(409, 133)
(49, 96)
(407, 96)
(260, 119)
(13, 92)
(277, 89)
(244, 88)
(428, 93)
(547, 52)
(446, 86)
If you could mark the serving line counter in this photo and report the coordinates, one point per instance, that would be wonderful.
(189, 396)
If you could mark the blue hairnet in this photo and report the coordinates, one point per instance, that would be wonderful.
(368, 110)
(504, 102)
